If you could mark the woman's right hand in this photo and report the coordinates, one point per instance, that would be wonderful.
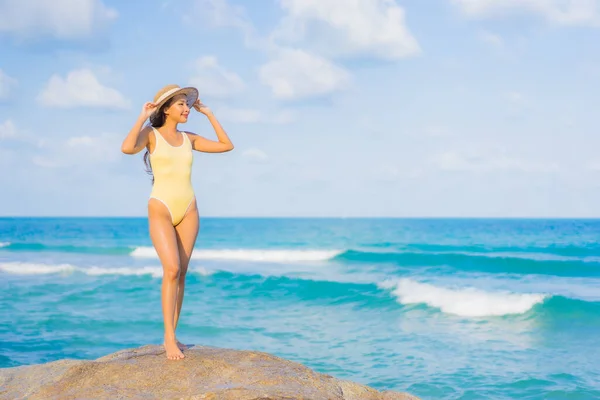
(147, 110)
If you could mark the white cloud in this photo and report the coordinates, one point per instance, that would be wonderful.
(81, 88)
(310, 34)
(593, 165)
(519, 104)
(219, 13)
(102, 148)
(46, 162)
(8, 129)
(6, 85)
(298, 74)
(254, 116)
(345, 28)
(80, 150)
(62, 19)
(515, 97)
(491, 38)
(243, 115)
(255, 154)
(282, 117)
(453, 161)
(487, 161)
(386, 173)
(222, 14)
(392, 173)
(572, 12)
(436, 131)
(213, 80)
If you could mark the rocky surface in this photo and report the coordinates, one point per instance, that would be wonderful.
(205, 373)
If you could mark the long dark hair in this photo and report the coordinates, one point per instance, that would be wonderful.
(157, 120)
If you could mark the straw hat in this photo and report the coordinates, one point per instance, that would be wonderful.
(169, 91)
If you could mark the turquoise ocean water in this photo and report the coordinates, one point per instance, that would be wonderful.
(441, 308)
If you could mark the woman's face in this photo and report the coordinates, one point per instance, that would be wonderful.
(178, 110)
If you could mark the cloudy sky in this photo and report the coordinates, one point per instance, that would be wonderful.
(413, 108)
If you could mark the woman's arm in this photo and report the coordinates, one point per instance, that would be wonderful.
(200, 143)
(137, 138)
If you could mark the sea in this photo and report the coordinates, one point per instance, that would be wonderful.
(439, 308)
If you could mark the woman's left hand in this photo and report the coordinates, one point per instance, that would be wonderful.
(201, 108)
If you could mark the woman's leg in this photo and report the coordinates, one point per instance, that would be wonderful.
(186, 232)
(164, 240)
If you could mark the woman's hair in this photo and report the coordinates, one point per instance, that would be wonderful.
(157, 120)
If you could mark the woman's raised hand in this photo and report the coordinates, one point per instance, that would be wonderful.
(147, 109)
(201, 108)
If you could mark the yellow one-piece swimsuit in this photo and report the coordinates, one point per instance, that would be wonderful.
(172, 170)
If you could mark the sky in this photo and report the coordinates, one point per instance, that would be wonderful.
(336, 108)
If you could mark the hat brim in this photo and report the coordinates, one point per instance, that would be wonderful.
(191, 94)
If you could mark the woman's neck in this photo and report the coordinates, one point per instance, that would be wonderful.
(169, 127)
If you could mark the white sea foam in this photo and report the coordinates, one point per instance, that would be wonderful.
(153, 271)
(4, 244)
(249, 254)
(17, 268)
(467, 301)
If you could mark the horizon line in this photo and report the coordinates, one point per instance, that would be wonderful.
(306, 217)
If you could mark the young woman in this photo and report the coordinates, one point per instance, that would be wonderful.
(172, 211)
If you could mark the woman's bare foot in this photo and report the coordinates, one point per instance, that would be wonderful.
(173, 351)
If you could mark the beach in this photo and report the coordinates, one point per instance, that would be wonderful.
(439, 308)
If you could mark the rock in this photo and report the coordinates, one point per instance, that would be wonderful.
(206, 373)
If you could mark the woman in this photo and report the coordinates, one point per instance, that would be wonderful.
(172, 210)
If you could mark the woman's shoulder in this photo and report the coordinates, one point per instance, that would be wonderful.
(191, 135)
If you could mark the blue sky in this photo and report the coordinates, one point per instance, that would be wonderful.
(455, 108)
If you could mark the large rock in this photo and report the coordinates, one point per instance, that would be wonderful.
(205, 373)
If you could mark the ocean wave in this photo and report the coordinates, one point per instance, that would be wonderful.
(18, 268)
(249, 254)
(466, 302)
(461, 300)
(469, 258)
(263, 255)
(493, 262)
(65, 248)
(577, 251)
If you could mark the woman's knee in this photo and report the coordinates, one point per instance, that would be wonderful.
(172, 272)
